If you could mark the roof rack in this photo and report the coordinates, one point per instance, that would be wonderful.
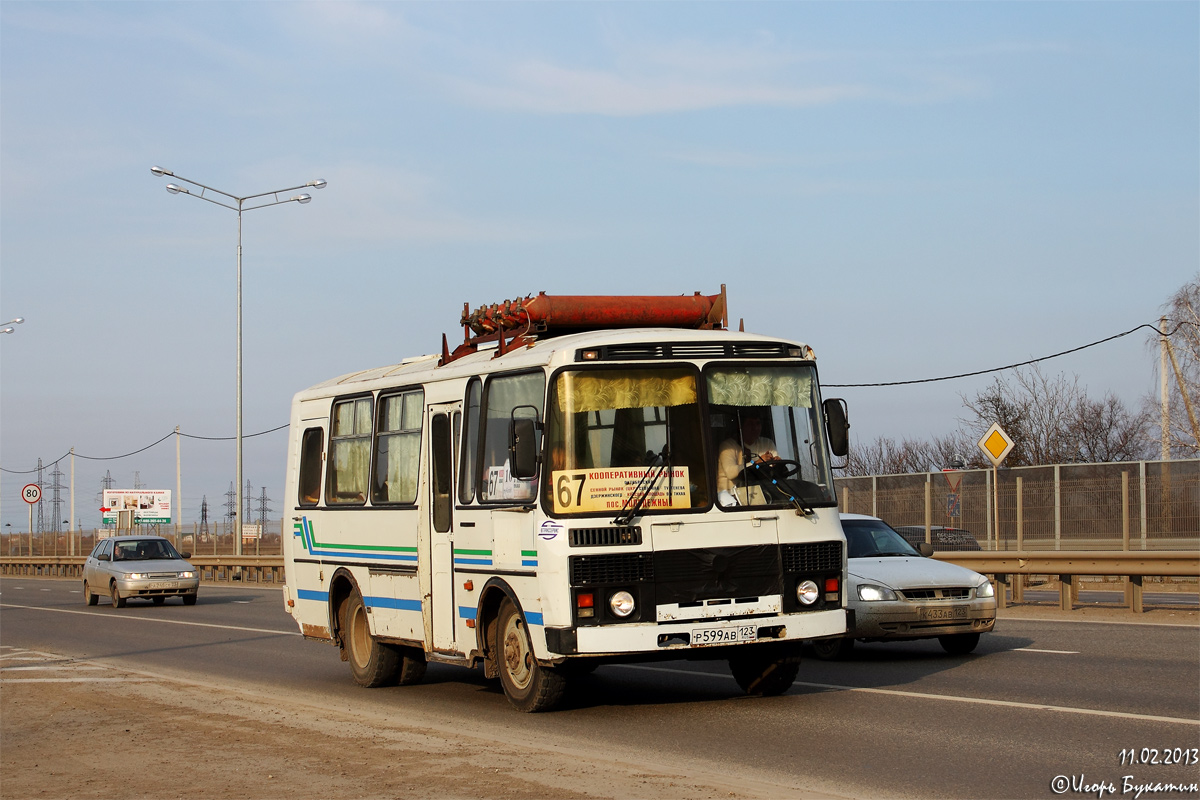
(521, 322)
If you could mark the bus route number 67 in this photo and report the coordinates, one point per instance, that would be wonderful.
(568, 489)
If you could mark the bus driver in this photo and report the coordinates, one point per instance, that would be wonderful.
(737, 454)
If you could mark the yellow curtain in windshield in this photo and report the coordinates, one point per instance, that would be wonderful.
(760, 386)
(601, 390)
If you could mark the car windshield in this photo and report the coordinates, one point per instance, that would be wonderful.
(143, 550)
(869, 538)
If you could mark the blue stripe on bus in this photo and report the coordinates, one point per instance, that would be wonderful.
(487, 562)
(393, 602)
(529, 562)
(309, 594)
(533, 619)
(466, 612)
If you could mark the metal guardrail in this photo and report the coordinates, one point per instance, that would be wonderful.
(219, 569)
(1009, 568)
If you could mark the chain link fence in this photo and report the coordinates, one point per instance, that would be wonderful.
(1142, 505)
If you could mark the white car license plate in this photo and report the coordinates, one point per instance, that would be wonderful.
(740, 633)
(164, 585)
(953, 612)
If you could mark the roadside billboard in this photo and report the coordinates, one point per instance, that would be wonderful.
(149, 506)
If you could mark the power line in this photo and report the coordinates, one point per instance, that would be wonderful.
(827, 385)
(1010, 366)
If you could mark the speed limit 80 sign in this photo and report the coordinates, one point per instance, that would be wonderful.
(31, 493)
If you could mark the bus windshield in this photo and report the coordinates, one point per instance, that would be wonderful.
(765, 426)
(650, 439)
(607, 428)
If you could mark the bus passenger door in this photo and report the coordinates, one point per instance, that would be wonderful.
(441, 538)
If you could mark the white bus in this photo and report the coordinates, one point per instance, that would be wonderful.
(583, 481)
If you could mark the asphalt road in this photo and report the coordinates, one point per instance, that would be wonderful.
(1038, 699)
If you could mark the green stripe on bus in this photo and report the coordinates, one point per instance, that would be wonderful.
(458, 552)
(529, 552)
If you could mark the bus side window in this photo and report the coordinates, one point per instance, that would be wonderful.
(311, 450)
(507, 394)
(439, 438)
(349, 452)
(398, 448)
(467, 470)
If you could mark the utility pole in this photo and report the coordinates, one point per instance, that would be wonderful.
(56, 500)
(203, 532)
(1165, 389)
(263, 508)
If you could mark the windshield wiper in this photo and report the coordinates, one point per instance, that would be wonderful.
(661, 463)
(784, 484)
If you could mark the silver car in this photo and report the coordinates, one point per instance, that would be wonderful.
(148, 567)
(895, 592)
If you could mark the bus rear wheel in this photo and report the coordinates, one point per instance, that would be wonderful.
(372, 663)
(764, 674)
(528, 685)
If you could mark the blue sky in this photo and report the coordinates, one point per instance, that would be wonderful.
(914, 189)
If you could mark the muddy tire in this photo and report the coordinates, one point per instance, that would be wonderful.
(412, 665)
(371, 663)
(764, 675)
(115, 594)
(959, 644)
(90, 597)
(529, 686)
(832, 649)
(189, 599)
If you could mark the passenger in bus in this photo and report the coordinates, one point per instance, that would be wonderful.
(738, 452)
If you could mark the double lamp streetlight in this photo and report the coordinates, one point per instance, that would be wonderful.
(238, 204)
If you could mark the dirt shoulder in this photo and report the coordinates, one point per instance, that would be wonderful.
(83, 729)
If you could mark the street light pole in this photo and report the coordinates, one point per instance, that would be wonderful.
(239, 205)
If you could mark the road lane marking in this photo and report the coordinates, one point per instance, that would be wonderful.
(7, 681)
(84, 671)
(5, 670)
(1036, 650)
(949, 697)
(152, 619)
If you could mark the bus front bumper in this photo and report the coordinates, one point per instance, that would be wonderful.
(687, 637)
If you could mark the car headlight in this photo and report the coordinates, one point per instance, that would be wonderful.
(188, 574)
(869, 591)
(621, 603)
(985, 589)
(135, 576)
(807, 592)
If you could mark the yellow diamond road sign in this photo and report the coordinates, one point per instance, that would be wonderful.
(996, 444)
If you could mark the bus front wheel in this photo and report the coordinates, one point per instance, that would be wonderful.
(528, 685)
(766, 674)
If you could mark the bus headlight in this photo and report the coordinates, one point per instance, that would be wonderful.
(621, 603)
(807, 593)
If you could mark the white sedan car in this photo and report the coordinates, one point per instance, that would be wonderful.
(894, 592)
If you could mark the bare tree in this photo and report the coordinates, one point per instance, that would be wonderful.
(1052, 420)
(1182, 314)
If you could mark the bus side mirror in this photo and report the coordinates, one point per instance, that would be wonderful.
(522, 448)
(838, 425)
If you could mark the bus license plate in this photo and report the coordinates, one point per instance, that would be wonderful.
(164, 585)
(741, 633)
(954, 612)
